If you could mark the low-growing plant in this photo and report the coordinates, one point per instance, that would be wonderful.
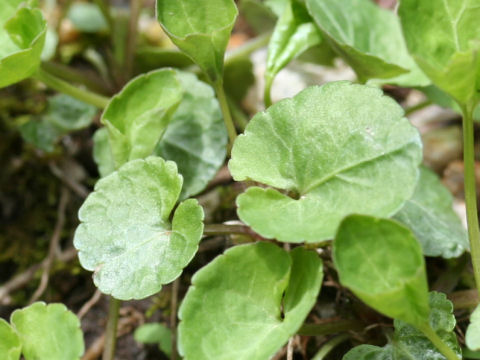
(336, 167)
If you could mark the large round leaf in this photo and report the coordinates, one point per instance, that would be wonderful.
(248, 302)
(10, 347)
(22, 37)
(48, 332)
(340, 148)
(382, 263)
(125, 235)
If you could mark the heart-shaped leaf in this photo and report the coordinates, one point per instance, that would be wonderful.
(369, 39)
(410, 343)
(472, 337)
(444, 39)
(22, 37)
(195, 138)
(246, 303)
(48, 332)
(201, 29)
(340, 148)
(125, 235)
(10, 347)
(430, 215)
(138, 116)
(382, 263)
(294, 33)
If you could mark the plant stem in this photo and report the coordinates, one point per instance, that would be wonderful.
(267, 91)
(173, 317)
(227, 116)
(470, 191)
(111, 332)
(223, 229)
(105, 9)
(438, 342)
(135, 7)
(64, 87)
(248, 48)
(329, 346)
(417, 107)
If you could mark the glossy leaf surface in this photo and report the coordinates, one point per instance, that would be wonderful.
(22, 37)
(430, 215)
(472, 337)
(48, 332)
(196, 138)
(444, 39)
(368, 38)
(327, 144)
(382, 263)
(125, 235)
(409, 343)
(138, 116)
(201, 29)
(10, 347)
(294, 33)
(234, 307)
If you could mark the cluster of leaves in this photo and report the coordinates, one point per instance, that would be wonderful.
(317, 158)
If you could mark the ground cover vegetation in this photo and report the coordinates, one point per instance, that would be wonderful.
(315, 226)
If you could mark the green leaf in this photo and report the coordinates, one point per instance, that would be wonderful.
(10, 346)
(48, 332)
(369, 39)
(87, 18)
(138, 116)
(63, 115)
(238, 78)
(430, 215)
(259, 16)
(382, 263)
(102, 152)
(294, 33)
(125, 235)
(155, 333)
(444, 39)
(472, 337)
(410, 343)
(22, 37)
(196, 138)
(201, 29)
(246, 303)
(328, 144)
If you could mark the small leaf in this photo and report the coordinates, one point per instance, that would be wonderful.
(125, 235)
(21, 41)
(327, 144)
(102, 152)
(138, 116)
(410, 343)
(48, 332)
(87, 18)
(382, 263)
(39, 133)
(233, 310)
(430, 215)
(10, 346)
(294, 33)
(369, 38)
(201, 29)
(196, 138)
(472, 337)
(444, 39)
(155, 333)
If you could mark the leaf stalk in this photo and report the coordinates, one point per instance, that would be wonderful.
(227, 116)
(111, 332)
(446, 351)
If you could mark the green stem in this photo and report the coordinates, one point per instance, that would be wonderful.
(470, 191)
(417, 107)
(267, 91)
(64, 87)
(227, 116)
(135, 7)
(111, 332)
(223, 229)
(239, 118)
(438, 342)
(329, 346)
(248, 48)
